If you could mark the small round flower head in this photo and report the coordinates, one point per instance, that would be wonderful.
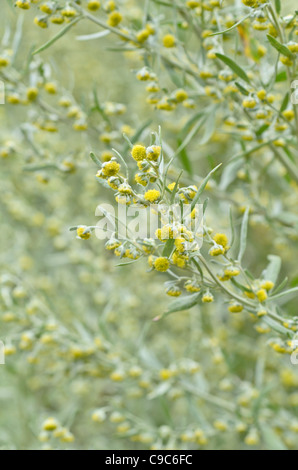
(150, 28)
(216, 251)
(32, 93)
(262, 94)
(250, 3)
(9, 350)
(278, 347)
(132, 254)
(249, 103)
(193, 4)
(280, 143)
(117, 417)
(225, 75)
(280, 127)
(261, 114)
(189, 192)
(110, 5)
(153, 153)
(117, 376)
(207, 297)
(236, 308)
(80, 125)
(262, 51)
(153, 87)
(24, 4)
(44, 436)
(220, 425)
(99, 416)
(138, 153)
(164, 233)
(114, 182)
(289, 114)
(181, 95)
(252, 439)
(192, 286)
(166, 105)
(143, 75)
(221, 239)
(286, 61)
(293, 46)
(180, 245)
(68, 437)
(114, 18)
(93, 5)
(119, 251)
(205, 74)
(110, 168)
(68, 12)
(83, 232)
(267, 285)
(142, 35)
(143, 166)
(74, 112)
(232, 271)
(165, 374)
(51, 88)
(4, 61)
(8, 317)
(173, 291)
(123, 428)
(189, 104)
(248, 293)
(260, 26)
(124, 199)
(241, 427)
(262, 295)
(106, 156)
(171, 186)
(47, 7)
(124, 188)
(152, 195)
(50, 126)
(112, 244)
(50, 424)
(135, 371)
(169, 41)
(271, 98)
(141, 179)
(57, 19)
(179, 259)
(161, 264)
(41, 22)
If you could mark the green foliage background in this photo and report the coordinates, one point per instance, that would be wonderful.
(223, 370)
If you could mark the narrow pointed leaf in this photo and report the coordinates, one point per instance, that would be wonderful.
(203, 186)
(58, 36)
(233, 66)
(280, 47)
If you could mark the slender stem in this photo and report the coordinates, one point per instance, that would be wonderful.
(222, 286)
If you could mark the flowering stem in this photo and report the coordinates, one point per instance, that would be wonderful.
(220, 284)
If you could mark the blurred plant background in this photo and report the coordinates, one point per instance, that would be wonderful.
(86, 367)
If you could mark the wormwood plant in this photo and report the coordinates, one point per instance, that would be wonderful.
(215, 128)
